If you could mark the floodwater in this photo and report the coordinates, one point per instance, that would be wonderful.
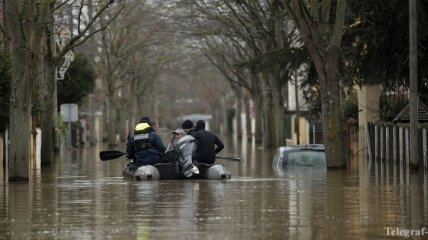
(81, 197)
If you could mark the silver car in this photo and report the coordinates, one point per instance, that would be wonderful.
(300, 155)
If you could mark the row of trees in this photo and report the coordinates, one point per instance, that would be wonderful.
(36, 48)
(128, 44)
(258, 46)
(261, 45)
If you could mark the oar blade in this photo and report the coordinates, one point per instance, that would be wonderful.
(235, 159)
(110, 155)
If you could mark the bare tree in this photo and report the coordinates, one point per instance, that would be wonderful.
(26, 24)
(244, 39)
(20, 99)
(131, 55)
(82, 28)
(322, 36)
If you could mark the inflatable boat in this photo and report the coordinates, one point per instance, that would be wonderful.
(172, 171)
(181, 168)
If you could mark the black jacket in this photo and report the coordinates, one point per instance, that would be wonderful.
(206, 146)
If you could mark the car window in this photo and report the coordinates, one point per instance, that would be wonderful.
(306, 158)
(277, 159)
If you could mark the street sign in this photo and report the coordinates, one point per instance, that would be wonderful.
(69, 112)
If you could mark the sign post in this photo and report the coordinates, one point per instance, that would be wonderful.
(69, 113)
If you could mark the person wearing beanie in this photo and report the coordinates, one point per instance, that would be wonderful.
(200, 125)
(145, 120)
(187, 126)
(153, 125)
(208, 144)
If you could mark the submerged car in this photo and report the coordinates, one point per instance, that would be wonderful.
(300, 155)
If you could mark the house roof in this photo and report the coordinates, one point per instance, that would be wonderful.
(404, 115)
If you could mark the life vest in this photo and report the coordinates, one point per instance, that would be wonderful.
(141, 137)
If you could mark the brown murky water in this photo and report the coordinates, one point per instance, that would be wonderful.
(81, 197)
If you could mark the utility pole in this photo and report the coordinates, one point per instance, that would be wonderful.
(413, 88)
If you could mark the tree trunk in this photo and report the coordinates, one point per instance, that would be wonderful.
(20, 119)
(331, 112)
(269, 122)
(92, 131)
(258, 101)
(132, 116)
(247, 116)
(49, 96)
(258, 112)
(330, 105)
(49, 114)
(20, 97)
(238, 111)
(122, 123)
(110, 124)
(279, 113)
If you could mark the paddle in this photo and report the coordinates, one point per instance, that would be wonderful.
(111, 154)
(231, 159)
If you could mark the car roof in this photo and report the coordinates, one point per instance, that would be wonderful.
(315, 147)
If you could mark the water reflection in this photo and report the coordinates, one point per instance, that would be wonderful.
(182, 209)
(81, 197)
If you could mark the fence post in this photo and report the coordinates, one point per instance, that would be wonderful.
(387, 143)
(382, 142)
(400, 144)
(407, 136)
(368, 144)
(394, 144)
(376, 141)
(424, 146)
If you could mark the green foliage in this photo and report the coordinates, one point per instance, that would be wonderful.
(311, 91)
(350, 106)
(391, 106)
(376, 43)
(282, 58)
(5, 79)
(78, 82)
(423, 51)
(379, 36)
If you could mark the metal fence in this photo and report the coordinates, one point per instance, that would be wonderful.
(390, 142)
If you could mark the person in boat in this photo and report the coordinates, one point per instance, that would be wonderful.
(171, 154)
(208, 144)
(177, 153)
(177, 134)
(154, 126)
(145, 146)
(187, 126)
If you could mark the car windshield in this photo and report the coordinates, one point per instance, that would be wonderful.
(306, 158)
(278, 157)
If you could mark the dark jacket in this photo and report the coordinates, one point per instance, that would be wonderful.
(145, 146)
(206, 146)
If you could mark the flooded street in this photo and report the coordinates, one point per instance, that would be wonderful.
(81, 197)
